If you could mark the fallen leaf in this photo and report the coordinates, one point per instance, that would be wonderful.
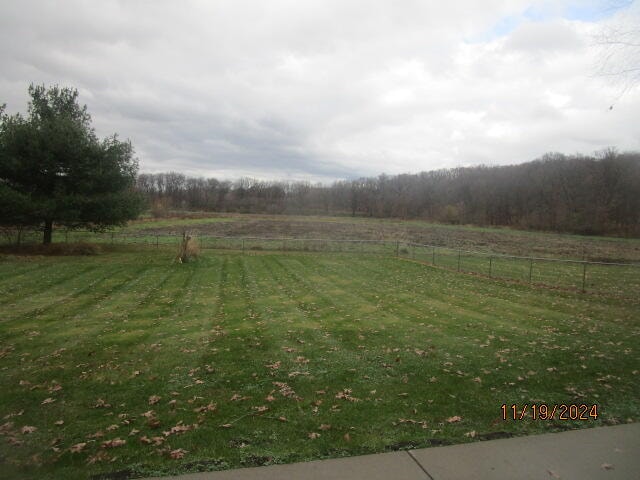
(606, 466)
(313, 435)
(59, 422)
(153, 399)
(324, 426)
(177, 454)
(116, 442)
(454, 419)
(46, 401)
(179, 429)
(212, 407)
(78, 447)
(470, 434)
(28, 429)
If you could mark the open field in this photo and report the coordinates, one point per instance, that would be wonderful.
(522, 256)
(495, 240)
(239, 360)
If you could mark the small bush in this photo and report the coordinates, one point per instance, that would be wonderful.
(189, 249)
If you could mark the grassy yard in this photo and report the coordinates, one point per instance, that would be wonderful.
(126, 361)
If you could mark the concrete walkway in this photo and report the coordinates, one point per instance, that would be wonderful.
(594, 453)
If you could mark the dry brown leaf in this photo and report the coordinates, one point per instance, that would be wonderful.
(153, 422)
(100, 403)
(78, 447)
(313, 435)
(116, 442)
(28, 429)
(179, 429)
(212, 407)
(59, 422)
(324, 426)
(47, 401)
(153, 399)
(454, 419)
(178, 453)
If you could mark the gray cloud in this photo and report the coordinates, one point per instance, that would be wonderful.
(323, 89)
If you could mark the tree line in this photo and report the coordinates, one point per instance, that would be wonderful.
(597, 194)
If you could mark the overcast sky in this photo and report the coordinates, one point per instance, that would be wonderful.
(328, 89)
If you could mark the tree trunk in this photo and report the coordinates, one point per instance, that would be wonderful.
(48, 230)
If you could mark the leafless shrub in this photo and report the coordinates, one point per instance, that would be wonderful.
(188, 250)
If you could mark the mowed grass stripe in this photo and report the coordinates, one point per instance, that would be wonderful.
(402, 339)
(13, 268)
(34, 284)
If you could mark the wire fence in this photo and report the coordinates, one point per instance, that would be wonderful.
(586, 276)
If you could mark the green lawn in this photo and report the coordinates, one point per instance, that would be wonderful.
(241, 360)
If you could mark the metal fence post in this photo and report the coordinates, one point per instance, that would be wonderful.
(459, 252)
(243, 246)
(530, 269)
(584, 276)
(490, 265)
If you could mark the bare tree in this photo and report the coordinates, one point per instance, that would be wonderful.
(619, 43)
